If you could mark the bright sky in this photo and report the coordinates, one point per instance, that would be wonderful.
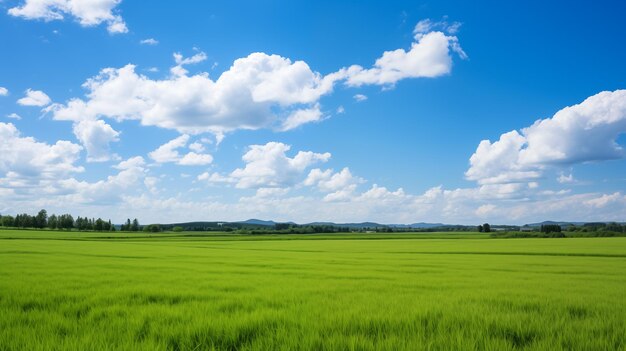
(395, 112)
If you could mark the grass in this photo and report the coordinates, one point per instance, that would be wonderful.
(85, 291)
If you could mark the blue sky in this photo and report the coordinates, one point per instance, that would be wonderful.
(398, 112)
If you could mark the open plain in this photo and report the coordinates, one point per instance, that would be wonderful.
(443, 291)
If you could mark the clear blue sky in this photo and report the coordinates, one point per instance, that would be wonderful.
(278, 110)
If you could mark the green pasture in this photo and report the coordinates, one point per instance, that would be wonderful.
(442, 291)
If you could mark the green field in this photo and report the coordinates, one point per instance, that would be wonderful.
(78, 291)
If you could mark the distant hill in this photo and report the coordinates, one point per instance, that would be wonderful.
(254, 221)
(422, 225)
(219, 225)
(552, 222)
(349, 225)
(259, 223)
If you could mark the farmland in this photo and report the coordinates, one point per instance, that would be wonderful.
(441, 291)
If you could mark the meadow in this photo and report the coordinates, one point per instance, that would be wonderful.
(441, 291)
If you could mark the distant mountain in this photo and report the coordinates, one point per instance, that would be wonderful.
(350, 225)
(255, 221)
(423, 225)
(552, 222)
(379, 225)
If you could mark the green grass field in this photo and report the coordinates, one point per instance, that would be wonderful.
(79, 291)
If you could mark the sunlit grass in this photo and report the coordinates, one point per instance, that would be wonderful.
(219, 292)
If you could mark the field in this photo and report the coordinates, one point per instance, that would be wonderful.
(77, 291)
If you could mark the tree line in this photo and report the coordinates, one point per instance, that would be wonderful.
(65, 222)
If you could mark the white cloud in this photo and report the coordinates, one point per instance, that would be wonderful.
(197, 147)
(117, 25)
(360, 97)
(564, 179)
(168, 152)
(271, 192)
(428, 57)
(340, 110)
(300, 117)
(110, 190)
(87, 13)
(151, 184)
(14, 116)
(178, 70)
(4, 91)
(339, 186)
(580, 133)
(427, 25)
(63, 194)
(257, 91)
(498, 162)
(34, 98)
(125, 193)
(149, 41)
(485, 210)
(26, 158)
(197, 58)
(268, 166)
(133, 162)
(194, 159)
(606, 199)
(96, 137)
(215, 178)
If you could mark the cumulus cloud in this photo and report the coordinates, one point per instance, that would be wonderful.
(34, 98)
(29, 169)
(133, 162)
(498, 162)
(195, 159)
(339, 186)
(268, 166)
(300, 117)
(14, 116)
(197, 147)
(271, 192)
(107, 191)
(213, 178)
(257, 91)
(87, 13)
(580, 133)
(4, 91)
(151, 184)
(96, 137)
(606, 199)
(485, 210)
(168, 152)
(428, 57)
(149, 41)
(24, 157)
(565, 179)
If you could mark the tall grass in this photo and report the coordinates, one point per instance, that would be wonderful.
(203, 293)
